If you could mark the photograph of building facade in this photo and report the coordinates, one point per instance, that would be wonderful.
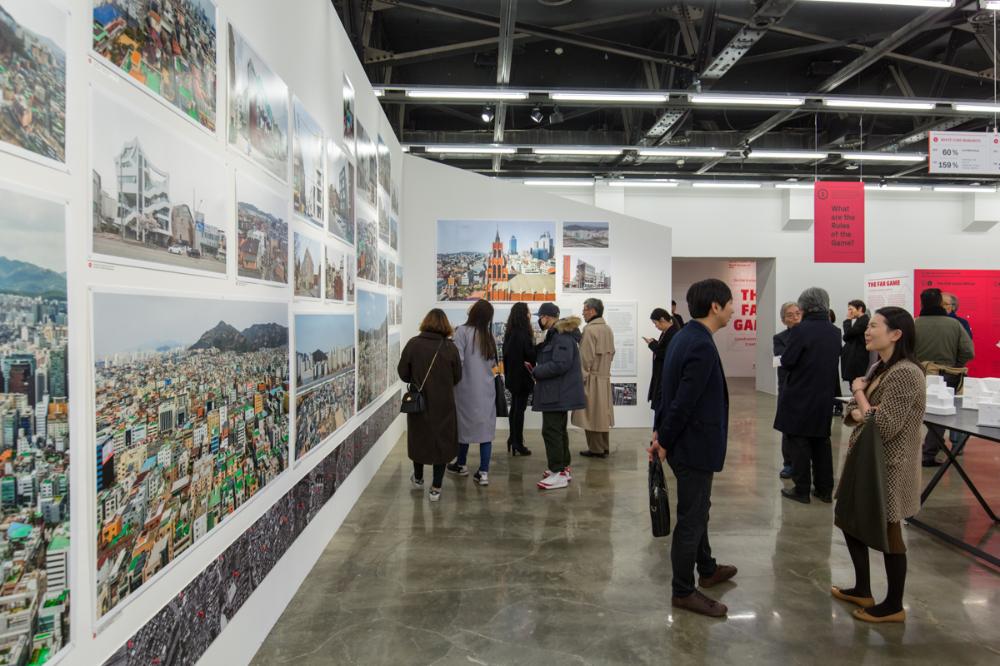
(340, 193)
(308, 265)
(191, 400)
(335, 279)
(324, 348)
(373, 328)
(34, 430)
(350, 267)
(590, 273)
(367, 168)
(169, 47)
(367, 248)
(307, 165)
(156, 197)
(261, 232)
(498, 261)
(258, 108)
(348, 112)
(585, 234)
(33, 77)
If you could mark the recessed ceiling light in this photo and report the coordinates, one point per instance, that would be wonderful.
(884, 157)
(681, 152)
(748, 100)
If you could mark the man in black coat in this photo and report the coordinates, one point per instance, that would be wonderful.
(811, 359)
(691, 429)
(668, 327)
(791, 315)
(854, 356)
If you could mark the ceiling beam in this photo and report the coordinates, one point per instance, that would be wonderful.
(505, 56)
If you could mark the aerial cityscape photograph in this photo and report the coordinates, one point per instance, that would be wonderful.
(307, 165)
(323, 409)
(191, 400)
(367, 248)
(262, 232)
(373, 329)
(585, 234)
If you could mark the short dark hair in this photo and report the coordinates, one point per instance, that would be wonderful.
(701, 296)
(658, 314)
(673, 302)
(436, 321)
(930, 298)
(858, 305)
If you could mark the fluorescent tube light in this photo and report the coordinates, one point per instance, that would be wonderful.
(964, 188)
(577, 151)
(430, 93)
(471, 149)
(786, 155)
(793, 186)
(750, 100)
(977, 108)
(552, 182)
(892, 188)
(646, 98)
(845, 103)
(379, 92)
(643, 183)
(898, 3)
(884, 157)
(681, 152)
(721, 184)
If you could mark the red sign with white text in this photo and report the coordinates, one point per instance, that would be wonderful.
(839, 226)
(978, 295)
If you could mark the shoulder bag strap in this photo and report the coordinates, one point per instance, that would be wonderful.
(430, 367)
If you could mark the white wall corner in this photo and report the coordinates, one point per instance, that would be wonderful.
(609, 198)
(797, 210)
(980, 212)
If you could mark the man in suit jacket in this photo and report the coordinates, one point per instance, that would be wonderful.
(791, 315)
(692, 424)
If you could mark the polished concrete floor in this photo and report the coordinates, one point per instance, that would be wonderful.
(510, 575)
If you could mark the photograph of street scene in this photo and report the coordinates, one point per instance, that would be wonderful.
(367, 168)
(373, 328)
(34, 430)
(307, 165)
(348, 114)
(166, 46)
(335, 278)
(340, 193)
(367, 248)
(321, 411)
(624, 395)
(350, 266)
(191, 401)
(496, 260)
(587, 273)
(258, 108)
(394, 353)
(585, 234)
(33, 77)
(262, 232)
(308, 265)
(157, 198)
(324, 348)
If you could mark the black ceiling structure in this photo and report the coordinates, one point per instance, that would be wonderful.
(814, 50)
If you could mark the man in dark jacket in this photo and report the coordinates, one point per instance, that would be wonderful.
(791, 315)
(811, 359)
(691, 427)
(558, 389)
(668, 327)
(950, 303)
(854, 357)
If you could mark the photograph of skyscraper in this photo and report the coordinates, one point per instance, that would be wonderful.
(156, 197)
(496, 260)
(335, 272)
(167, 46)
(585, 234)
(262, 232)
(258, 108)
(191, 400)
(34, 430)
(373, 329)
(307, 165)
(340, 193)
(587, 272)
(308, 265)
(324, 348)
(367, 167)
(33, 77)
(367, 248)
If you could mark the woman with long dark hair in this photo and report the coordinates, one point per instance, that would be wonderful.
(475, 395)
(893, 393)
(518, 348)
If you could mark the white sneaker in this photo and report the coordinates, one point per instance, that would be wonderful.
(461, 470)
(434, 495)
(416, 485)
(554, 482)
(482, 478)
(547, 473)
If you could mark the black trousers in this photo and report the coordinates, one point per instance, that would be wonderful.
(418, 474)
(786, 452)
(812, 459)
(690, 548)
(518, 405)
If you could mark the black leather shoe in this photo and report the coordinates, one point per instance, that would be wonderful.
(794, 496)
(591, 454)
(826, 498)
(520, 451)
(930, 463)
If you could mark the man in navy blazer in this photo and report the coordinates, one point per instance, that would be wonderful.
(691, 428)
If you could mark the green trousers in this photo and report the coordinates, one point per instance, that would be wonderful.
(556, 440)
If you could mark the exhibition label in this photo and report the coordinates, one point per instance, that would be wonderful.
(839, 228)
(964, 152)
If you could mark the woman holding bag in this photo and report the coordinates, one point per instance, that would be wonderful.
(893, 397)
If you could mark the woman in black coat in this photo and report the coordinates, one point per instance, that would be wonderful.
(431, 360)
(518, 347)
(854, 356)
(668, 327)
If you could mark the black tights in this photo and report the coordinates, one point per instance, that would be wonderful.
(895, 571)
(418, 474)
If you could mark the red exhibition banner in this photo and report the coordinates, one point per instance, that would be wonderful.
(978, 295)
(839, 226)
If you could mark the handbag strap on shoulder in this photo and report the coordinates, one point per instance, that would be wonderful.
(431, 366)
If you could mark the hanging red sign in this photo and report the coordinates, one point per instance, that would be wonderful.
(839, 223)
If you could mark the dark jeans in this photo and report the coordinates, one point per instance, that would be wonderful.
(812, 454)
(518, 403)
(485, 452)
(690, 548)
(556, 440)
(418, 474)
(786, 451)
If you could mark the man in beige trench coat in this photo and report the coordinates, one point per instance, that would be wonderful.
(597, 351)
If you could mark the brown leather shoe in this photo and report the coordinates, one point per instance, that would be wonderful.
(696, 602)
(723, 572)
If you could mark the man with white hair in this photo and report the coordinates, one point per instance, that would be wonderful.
(791, 315)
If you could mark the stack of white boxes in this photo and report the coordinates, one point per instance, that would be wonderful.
(940, 398)
(983, 395)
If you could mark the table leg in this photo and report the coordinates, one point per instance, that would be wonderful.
(952, 460)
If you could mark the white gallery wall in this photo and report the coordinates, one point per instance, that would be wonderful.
(640, 254)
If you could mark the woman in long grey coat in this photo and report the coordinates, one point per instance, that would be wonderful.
(475, 395)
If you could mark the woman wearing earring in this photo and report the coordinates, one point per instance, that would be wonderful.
(893, 397)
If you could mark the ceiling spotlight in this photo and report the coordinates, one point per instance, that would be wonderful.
(536, 115)
(487, 114)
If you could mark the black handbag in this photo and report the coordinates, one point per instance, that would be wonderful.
(659, 501)
(861, 497)
(501, 395)
(413, 399)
